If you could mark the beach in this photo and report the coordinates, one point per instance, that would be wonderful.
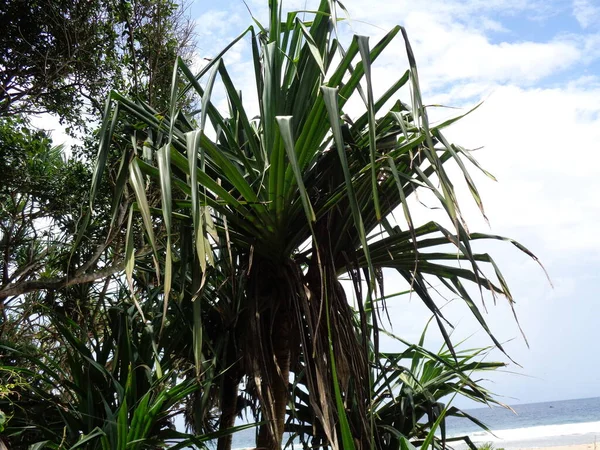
(567, 447)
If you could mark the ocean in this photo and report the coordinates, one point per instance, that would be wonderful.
(545, 424)
(565, 422)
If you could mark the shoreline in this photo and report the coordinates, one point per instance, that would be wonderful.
(586, 440)
(591, 446)
(568, 436)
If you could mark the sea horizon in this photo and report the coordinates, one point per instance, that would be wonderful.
(540, 424)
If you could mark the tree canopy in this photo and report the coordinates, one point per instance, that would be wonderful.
(64, 56)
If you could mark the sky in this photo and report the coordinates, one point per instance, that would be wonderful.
(535, 65)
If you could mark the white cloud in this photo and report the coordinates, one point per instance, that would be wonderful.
(466, 11)
(586, 12)
(488, 24)
(450, 52)
(454, 52)
(542, 146)
(591, 45)
(216, 23)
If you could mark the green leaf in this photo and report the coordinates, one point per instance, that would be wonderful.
(363, 46)
(288, 140)
(330, 96)
(94, 434)
(406, 445)
(164, 164)
(136, 180)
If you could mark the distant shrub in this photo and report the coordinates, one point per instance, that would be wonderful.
(488, 446)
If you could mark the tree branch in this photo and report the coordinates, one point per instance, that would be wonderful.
(58, 283)
(25, 287)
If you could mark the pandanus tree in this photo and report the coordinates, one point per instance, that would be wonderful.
(256, 218)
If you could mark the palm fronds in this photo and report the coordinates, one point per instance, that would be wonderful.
(272, 211)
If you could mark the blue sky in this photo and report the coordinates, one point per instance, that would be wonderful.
(536, 66)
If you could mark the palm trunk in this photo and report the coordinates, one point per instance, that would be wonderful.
(270, 436)
(228, 409)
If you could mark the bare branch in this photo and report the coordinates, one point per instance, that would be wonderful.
(58, 283)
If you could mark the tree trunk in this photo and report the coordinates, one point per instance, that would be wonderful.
(228, 409)
(270, 436)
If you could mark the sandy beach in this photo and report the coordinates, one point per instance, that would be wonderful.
(567, 447)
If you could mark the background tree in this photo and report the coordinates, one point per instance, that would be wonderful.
(158, 32)
(39, 199)
(64, 56)
(56, 54)
(105, 42)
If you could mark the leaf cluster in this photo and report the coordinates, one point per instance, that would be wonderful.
(105, 383)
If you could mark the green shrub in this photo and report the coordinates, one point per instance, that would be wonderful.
(488, 446)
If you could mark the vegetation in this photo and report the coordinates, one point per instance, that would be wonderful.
(204, 278)
(38, 186)
(111, 51)
(64, 56)
(259, 222)
(46, 282)
(488, 446)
